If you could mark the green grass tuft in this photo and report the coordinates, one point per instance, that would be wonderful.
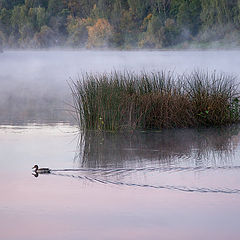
(126, 100)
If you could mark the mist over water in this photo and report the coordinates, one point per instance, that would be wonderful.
(33, 84)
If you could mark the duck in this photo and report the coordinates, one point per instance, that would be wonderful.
(41, 170)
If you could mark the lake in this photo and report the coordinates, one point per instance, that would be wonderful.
(169, 184)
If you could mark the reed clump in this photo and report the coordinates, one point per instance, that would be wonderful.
(127, 100)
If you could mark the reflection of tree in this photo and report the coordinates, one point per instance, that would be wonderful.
(184, 146)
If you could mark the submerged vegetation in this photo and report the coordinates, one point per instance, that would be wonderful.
(119, 23)
(126, 100)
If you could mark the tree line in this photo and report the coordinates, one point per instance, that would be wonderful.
(118, 23)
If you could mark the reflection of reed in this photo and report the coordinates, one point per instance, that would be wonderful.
(200, 147)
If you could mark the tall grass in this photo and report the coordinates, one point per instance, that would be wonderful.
(126, 100)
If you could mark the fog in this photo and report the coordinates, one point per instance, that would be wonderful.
(33, 84)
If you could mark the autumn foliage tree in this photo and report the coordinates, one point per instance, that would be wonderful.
(99, 34)
(118, 23)
(77, 29)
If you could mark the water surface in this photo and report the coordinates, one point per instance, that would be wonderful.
(171, 184)
(175, 184)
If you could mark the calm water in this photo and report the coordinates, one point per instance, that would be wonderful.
(142, 185)
(173, 184)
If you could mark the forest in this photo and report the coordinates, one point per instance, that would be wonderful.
(122, 24)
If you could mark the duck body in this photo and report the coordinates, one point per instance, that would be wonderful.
(41, 170)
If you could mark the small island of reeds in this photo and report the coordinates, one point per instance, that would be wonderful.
(157, 100)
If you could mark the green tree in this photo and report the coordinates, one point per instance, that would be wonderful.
(55, 7)
(41, 17)
(5, 19)
(186, 12)
(104, 8)
(237, 13)
(216, 12)
(77, 31)
(19, 16)
(158, 34)
(162, 8)
(2, 40)
(81, 8)
(116, 19)
(139, 8)
(8, 4)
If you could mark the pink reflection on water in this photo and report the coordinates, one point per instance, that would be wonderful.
(53, 207)
(63, 208)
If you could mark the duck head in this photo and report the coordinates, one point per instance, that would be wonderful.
(35, 167)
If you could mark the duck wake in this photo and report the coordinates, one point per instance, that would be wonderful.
(167, 187)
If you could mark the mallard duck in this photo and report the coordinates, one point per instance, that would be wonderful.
(41, 170)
